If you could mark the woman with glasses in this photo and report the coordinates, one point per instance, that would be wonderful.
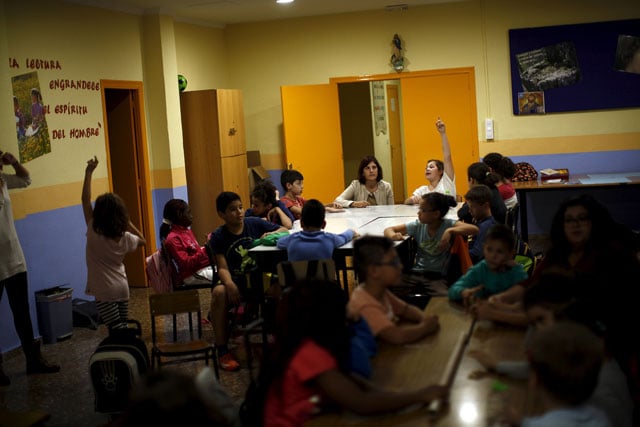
(585, 241)
(602, 254)
(439, 173)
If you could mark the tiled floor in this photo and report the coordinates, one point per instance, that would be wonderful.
(68, 395)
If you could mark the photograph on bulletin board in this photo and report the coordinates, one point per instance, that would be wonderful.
(549, 67)
(531, 103)
(628, 54)
(579, 67)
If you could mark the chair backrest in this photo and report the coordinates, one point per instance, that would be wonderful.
(174, 303)
(511, 218)
(187, 301)
(291, 272)
(174, 271)
(172, 266)
(459, 259)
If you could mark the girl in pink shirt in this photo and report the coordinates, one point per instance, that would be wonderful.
(110, 236)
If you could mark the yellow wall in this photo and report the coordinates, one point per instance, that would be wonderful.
(94, 44)
(264, 56)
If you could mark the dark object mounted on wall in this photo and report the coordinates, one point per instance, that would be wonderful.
(397, 60)
(578, 67)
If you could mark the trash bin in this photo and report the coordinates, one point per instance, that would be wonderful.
(55, 313)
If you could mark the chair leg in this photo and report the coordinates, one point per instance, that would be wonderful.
(214, 358)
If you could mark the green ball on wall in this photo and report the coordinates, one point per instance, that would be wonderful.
(182, 82)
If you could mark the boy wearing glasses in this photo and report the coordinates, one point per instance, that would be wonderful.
(378, 267)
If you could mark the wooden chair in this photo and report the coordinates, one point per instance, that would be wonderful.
(187, 344)
(291, 272)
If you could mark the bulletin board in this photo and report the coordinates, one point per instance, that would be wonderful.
(575, 67)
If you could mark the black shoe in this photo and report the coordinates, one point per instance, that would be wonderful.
(41, 366)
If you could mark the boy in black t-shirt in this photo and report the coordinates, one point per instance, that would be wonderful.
(231, 243)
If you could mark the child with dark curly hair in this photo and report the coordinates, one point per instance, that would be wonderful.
(110, 236)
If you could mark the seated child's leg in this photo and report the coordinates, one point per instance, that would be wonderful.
(219, 314)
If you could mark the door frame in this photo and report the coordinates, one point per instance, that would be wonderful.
(473, 127)
(136, 91)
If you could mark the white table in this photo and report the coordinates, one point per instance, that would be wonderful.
(371, 220)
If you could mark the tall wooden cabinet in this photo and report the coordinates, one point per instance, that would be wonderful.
(215, 152)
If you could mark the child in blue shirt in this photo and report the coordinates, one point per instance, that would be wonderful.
(312, 242)
(432, 232)
(495, 273)
(265, 205)
(478, 199)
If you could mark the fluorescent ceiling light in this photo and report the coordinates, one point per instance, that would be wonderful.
(284, 1)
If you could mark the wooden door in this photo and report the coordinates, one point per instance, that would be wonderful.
(313, 145)
(128, 166)
(450, 95)
(395, 143)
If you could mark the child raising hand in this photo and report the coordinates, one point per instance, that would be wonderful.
(110, 236)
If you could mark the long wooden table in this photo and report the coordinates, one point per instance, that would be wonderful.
(575, 182)
(422, 363)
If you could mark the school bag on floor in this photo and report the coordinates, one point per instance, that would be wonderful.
(115, 366)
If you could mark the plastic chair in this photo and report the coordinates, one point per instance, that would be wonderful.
(186, 344)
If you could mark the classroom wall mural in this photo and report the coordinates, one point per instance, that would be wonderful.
(31, 124)
(39, 118)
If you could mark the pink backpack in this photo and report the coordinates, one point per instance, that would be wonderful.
(159, 273)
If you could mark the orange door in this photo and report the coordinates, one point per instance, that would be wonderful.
(450, 95)
(312, 140)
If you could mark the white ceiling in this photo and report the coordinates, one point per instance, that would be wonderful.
(222, 12)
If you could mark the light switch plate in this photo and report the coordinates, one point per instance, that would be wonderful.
(488, 128)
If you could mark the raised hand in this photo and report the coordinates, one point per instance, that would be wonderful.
(92, 164)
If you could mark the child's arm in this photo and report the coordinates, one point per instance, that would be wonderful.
(345, 199)
(132, 229)
(509, 298)
(296, 211)
(518, 369)
(468, 281)
(344, 237)
(344, 391)
(279, 230)
(446, 149)
(407, 333)
(284, 218)
(397, 232)
(484, 310)
(461, 228)
(87, 209)
(227, 280)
